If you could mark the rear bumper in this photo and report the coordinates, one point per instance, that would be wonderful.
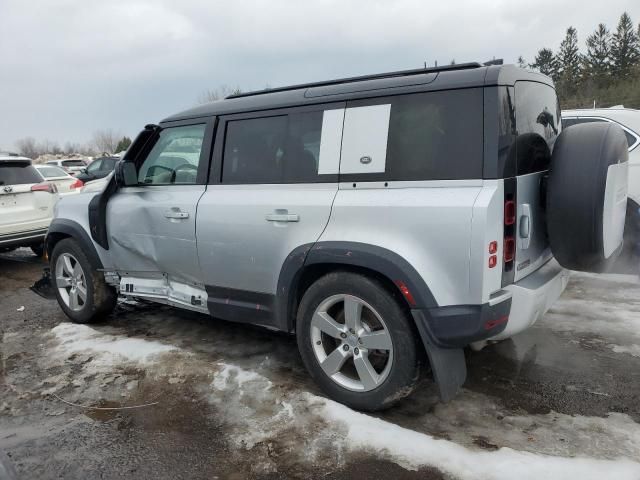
(533, 296)
(20, 239)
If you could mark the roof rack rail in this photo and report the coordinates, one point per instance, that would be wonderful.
(400, 73)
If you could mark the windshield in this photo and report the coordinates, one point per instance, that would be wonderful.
(73, 163)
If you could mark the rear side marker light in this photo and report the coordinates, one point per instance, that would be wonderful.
(509, 249)
(491, 324)
(509, 212)
(405, 292)
(493, 247)
(44, 187)
(493, 261)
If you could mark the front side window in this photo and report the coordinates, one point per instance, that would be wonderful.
(537, 124)
(277, 149)
(174, 158)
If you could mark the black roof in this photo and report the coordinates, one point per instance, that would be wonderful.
(408, 81)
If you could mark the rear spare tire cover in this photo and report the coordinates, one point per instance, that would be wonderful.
(587, 196)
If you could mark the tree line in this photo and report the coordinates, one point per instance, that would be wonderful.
(103, 142)
(605, 73)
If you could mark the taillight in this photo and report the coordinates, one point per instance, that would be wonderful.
(77, 184)
(44, 187)
(509, 249)
(509, 212)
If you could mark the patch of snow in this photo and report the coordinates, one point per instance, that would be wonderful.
(630, 349)
(412, 449)
(607, 277)
(106, 349)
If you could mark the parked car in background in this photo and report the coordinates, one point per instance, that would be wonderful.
(99, 168)
(97, 185)
(26, 204)
(629, 120)
(71, 166)
(65, 183)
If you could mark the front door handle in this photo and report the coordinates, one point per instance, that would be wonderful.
(176, 213)
(282, 216)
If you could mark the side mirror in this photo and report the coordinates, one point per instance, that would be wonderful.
(125, 174)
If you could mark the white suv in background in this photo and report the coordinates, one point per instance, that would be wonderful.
(72, 166)
(26, 204)
(629, 120)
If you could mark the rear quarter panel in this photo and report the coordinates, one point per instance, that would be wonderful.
(428, 223)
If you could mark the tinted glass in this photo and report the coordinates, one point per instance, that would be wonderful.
(631, 140)
(94, 166)
(109, 163)
(280, 149)
(73, 163)
(174, 158)
(537, 124)
(18, 173)
(435, 136)
(50, 171)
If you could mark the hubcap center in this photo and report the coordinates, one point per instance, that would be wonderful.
(352, 340)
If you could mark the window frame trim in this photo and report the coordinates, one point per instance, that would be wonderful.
(215, 173)
(205, 152)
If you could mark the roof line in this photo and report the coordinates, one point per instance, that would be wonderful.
(400, 73)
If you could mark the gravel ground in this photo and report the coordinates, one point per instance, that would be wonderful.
(160, 393)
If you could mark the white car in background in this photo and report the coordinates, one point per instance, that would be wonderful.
(65, 183)
(629, 120)
(72, 166)
(26, 204)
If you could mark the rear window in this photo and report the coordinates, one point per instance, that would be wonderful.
(631, 140)
(18, 173)
(73, 163)
(537, 125)
(50, 171)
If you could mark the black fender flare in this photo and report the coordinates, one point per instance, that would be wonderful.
(61, 228)
(364, 255)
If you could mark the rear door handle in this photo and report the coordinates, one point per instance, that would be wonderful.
(525, 226)
(175, 213)
(282, 216)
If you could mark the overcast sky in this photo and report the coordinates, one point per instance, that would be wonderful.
(70, 67)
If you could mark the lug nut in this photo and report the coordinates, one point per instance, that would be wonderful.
(319, 342)
(360, 341)
(343, 335)
(352, 330)
(356, 351)
(345, 347)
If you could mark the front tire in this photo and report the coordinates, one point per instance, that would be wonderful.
(80, 288)
(357, 341)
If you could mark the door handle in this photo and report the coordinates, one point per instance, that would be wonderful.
(525, 226)
(282, 216)
(176, 213)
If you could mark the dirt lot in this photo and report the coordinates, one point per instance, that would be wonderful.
(192, 397)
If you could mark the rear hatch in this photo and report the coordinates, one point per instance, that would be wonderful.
(73, 166)
(22, 209)
(537, 115)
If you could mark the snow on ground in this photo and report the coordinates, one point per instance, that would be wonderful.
(107, 349)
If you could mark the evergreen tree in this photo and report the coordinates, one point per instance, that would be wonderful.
(545, 63)
(569, 57)
(123, 144)
(625, 47)
(597, 61)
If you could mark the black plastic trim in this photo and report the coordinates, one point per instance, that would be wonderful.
(69, 228)
(241, 306)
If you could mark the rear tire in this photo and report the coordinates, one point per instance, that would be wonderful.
(376, 358)
(80, 288)
(38, 250)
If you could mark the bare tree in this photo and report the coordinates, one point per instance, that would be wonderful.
(219, 93)
(106, 140)
(27, 147)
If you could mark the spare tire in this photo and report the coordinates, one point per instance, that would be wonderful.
(587, 196)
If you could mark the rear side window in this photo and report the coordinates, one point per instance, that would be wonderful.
(429, 136)
(537, 124)
(277, 149)
(18, 173)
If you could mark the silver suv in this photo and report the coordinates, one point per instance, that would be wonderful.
(387, 221)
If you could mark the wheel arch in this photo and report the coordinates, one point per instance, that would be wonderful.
(307, 263)
(61, 228)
